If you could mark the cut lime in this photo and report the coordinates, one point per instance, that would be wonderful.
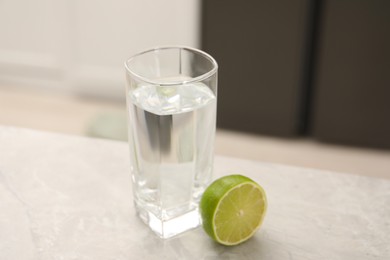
(232, 209)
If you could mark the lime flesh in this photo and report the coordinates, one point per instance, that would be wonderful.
(232, 209)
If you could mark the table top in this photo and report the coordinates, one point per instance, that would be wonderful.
(68, 197)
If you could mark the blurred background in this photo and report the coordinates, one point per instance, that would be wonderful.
(303, 82)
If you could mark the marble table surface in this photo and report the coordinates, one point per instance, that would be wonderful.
(67, 197)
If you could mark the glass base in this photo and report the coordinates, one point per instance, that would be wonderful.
(171, 227)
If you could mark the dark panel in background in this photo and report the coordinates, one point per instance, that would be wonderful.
(261, 48)
(352, 83)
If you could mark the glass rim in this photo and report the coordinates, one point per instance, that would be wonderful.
(177, 82)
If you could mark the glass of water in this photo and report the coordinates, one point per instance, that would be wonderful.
(171, 101)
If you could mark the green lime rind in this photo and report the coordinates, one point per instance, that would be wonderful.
(213, 196)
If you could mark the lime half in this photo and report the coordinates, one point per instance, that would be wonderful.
(232, 209)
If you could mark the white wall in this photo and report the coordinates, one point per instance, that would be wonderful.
(79, 46)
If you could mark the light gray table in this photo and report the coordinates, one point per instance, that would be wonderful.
(65, 197)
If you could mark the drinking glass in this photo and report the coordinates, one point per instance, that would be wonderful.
(171, 101)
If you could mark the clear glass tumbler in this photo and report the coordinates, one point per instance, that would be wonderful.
(171, 100)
